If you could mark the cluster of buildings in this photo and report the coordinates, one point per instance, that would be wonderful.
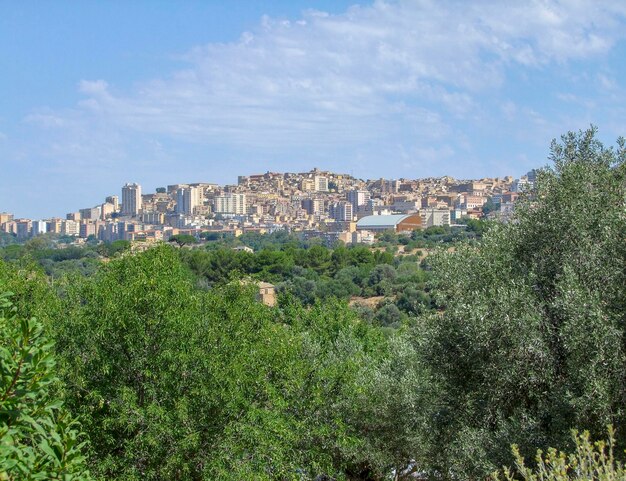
(335, 207)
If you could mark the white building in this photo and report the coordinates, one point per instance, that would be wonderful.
(131, 199)
(521, 185)
(188, 199)
(435, 217)
(230, 204)
(321, 183)
(358, 198)
(39, 227)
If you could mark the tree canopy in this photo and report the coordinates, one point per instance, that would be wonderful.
(531, 339)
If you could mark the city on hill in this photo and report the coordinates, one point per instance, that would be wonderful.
(330, 240)
(439, 353)
(315, 204)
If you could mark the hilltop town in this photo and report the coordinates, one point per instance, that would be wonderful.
(334, 207)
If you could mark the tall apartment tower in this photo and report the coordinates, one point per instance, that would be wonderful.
(358, 198)
(321, 183)
(131, 199)
(341, 211)
(187, 199)
(313, 206)
(230, 204)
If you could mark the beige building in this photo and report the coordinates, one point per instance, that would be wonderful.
(86, 229)
(70, 227)
(471, 201)
(5, 217)
(22, 228)
(54, 225)
(435, 217)
(307, 185)
(115, 200)
(267, 293)
(106, 210)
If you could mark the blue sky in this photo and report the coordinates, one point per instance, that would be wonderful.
(96, 94)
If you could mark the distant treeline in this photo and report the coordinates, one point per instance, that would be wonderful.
(306, 270)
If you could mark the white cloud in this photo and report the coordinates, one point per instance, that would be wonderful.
(46, 119)
(388, 73)
(576, 99)
(93, 87)
(295, 76)
(607, 82)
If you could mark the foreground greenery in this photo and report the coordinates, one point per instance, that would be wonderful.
(177, 373)
(589, 461)
(532, 339)
(38, 437)
(172, 382)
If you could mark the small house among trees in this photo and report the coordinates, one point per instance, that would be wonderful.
(267, 293)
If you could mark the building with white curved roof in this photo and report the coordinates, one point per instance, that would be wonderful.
(395, 222)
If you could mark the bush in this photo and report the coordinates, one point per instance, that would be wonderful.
(389, 316)
(589, 461)
(38, 438)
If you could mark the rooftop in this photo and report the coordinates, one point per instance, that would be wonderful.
(381, 220)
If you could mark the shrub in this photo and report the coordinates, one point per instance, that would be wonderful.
(589, 461)
(38, 438)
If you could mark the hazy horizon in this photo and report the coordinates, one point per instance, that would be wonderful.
(99, 94)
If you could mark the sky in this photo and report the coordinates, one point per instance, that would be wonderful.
(94, 94)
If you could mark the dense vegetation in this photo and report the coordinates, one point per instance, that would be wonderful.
(173, 382)
(175, 371)
(38, 437)
(531, 341)
(310, 272)
(318, 273)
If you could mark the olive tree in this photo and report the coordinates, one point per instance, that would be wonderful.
(530, 339)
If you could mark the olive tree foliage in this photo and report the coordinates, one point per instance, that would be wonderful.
(39, 440)
(389, 409)
(531, 339)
